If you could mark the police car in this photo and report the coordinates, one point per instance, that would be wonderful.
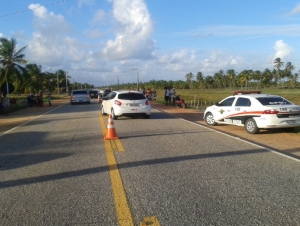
(254, 111)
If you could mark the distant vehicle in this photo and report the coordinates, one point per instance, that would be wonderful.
(126, 103)
(93, 94)
(254, 111)
(104, 92)
(79, 96)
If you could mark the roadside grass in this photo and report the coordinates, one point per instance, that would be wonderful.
(209, 97)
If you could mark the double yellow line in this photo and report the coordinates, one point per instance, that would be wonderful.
(122, 208)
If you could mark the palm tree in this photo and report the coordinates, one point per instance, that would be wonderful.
(11, 59)
(244, 77)
(38, 79)
(200, 79)
(189, 78)
(231, 77)
(278, 64)
(288, 70)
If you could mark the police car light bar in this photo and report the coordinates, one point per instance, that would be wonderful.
(241, 92)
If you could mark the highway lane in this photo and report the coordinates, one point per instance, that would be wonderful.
(177, 171)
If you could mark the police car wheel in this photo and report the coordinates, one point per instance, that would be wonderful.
(210, 120)
(251, 126)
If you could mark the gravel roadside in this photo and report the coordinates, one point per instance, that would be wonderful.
(19, 117)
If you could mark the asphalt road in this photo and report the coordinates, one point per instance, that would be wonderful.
(54, 171)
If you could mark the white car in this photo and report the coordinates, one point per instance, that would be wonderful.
(126, 103)
(254, 112)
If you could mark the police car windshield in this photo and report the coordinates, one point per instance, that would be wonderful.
(273, 101)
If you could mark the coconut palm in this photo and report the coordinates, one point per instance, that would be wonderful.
(278, 64)
(11, 60)
(37, 79)
(231, 77)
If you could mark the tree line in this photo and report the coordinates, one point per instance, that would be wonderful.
(281, 76)
(29, 77)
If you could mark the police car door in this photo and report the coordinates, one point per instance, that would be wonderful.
(224, 110)
(241, 110)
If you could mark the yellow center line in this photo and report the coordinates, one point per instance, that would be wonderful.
(122, 207)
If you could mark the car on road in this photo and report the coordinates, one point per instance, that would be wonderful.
(93, 94)
(126, 103)
(80, 96)
(254, 111)
(104, 92)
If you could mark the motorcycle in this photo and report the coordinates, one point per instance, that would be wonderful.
(179, 102)
(30, 101)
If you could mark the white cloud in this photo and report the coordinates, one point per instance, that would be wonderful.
(133, 33)
(295, 10)
(282, 50)
(49, 44)
(232, 31)
(99, 16)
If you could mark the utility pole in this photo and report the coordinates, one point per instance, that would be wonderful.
(67, 91)
(57, 83)
(137, 77)
(118, 82)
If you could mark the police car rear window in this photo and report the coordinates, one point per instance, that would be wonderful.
(273, 101)
(80, 92)
(131, 96)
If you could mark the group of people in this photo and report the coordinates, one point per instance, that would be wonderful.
(149, 94)
(170, 96)
(40, 98)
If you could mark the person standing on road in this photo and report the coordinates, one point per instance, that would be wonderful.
(167, 96)
(4, 103)
(48, 98)
(173, 96)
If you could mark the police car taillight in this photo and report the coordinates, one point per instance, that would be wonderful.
(147, 102)
(270, 112)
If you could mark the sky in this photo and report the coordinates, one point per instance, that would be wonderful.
(102, 41)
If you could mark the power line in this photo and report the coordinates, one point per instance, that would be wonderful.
(26, 10)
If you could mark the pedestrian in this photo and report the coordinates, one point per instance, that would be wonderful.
(4, 104)
(48, 98)
(173, 96)
(167, 96)
(40, 99)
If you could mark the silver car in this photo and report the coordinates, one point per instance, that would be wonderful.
(126, 103)
(80, 96)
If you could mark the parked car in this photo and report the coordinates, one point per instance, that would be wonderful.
(254, 111)
(80, 96)
(126, 103)
(93, 94)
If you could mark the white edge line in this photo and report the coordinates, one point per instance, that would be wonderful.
(8, 131)
(237, 138)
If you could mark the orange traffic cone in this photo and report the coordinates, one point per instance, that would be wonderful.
(111, 131)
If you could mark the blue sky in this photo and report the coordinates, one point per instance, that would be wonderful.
(98, 41)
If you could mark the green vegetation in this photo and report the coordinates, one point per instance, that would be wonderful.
(215, 95)
(29, 77)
